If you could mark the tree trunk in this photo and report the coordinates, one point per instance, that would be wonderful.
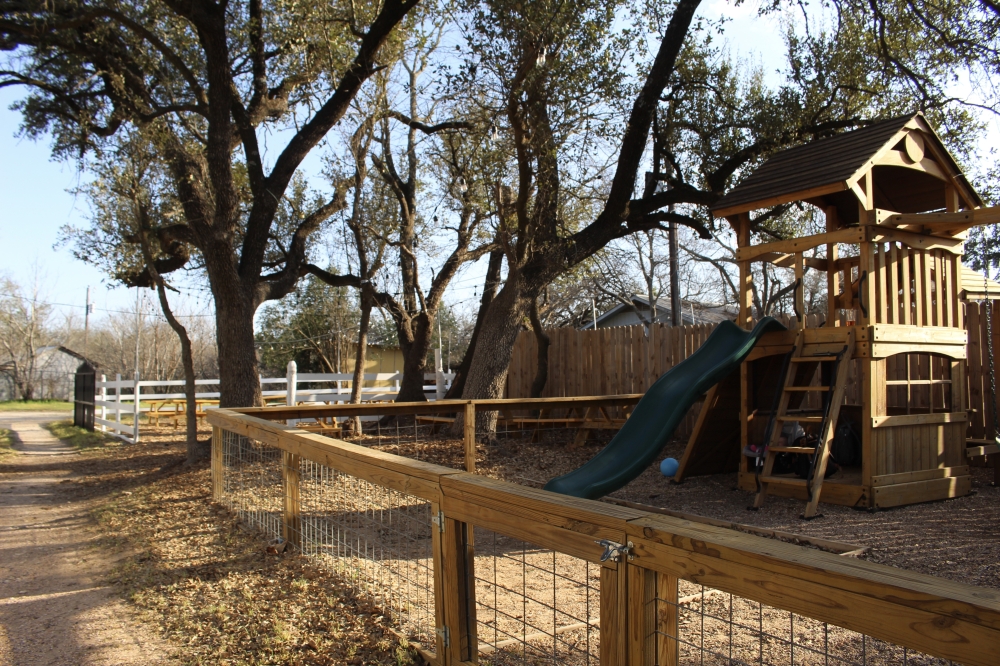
(491, 360)
(239, 374)
(411, 388)
(195, 450)
(359, 357)
(489, 293)
(543, 341)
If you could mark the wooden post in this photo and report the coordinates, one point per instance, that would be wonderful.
(118, 404)
(651, 618)
(832, 274)
(746, 322)
(291, 387)
(291, 529)
(641, 616)
(613, 598)
(800, 291)
(470, 437)
(136, 388)
(746, 277)
(218, 482)
(870, 296)
(104, 399)
(667, 640)
(874, 405)
(457, 639)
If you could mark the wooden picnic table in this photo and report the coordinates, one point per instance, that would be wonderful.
(160, 409)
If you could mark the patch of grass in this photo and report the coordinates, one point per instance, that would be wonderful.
(35, 406)
(80, 438)
(6, 443)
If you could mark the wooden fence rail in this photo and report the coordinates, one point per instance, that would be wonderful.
(668, 591)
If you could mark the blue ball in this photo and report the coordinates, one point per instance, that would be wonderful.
(669, 466)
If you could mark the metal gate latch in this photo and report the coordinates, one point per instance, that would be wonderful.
(613, 550)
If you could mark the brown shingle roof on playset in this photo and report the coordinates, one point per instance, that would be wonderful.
(823, 167)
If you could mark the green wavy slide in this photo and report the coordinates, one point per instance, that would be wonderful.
(660, 411)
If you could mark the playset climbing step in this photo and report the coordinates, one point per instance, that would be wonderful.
(829, 412)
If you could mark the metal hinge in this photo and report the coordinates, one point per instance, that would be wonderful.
(445, 635)
(613, 550)
(439, 521)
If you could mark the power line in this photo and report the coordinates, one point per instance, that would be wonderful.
(128, 312)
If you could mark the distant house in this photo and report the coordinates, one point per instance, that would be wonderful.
(691, 313)
(53, 375)
(973, 287)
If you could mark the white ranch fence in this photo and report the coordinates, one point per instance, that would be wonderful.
(118, 398)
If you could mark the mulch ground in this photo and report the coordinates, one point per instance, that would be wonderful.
(207, 583)
(958, 539)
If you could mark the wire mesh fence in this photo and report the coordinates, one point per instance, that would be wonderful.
(252, 485)
(379, 539)
(528, 604)
(429, 437)
(706, 626)
(534, 605)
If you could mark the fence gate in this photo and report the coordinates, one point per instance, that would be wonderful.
(84, 391)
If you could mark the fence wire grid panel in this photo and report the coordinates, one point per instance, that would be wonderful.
(423, 437)
(252, 484)
(716, 628)
(533, 605)
(379, 539)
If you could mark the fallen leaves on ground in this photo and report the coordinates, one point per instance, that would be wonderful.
(209, 584)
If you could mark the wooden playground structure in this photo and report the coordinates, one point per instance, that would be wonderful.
(890, 355)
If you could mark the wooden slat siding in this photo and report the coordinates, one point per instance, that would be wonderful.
(939, 289)
(918, 287)
(954, 288)
(926, 261)
(880, 314)
(648, 373)
(946, 293)
(904, 256)
(892, 297)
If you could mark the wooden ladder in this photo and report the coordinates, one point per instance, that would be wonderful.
(828, 421)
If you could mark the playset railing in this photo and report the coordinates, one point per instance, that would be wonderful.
(476, 570)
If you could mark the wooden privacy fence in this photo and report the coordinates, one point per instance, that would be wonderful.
(607, 361)
(611, 361)
(978, 369)
(477, 570)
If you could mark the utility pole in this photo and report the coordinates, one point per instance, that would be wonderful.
(86, 323)
(676, 316)
(675, 278)
(138, 329)
(593, 308)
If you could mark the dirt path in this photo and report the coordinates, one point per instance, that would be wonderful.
(54, 608)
